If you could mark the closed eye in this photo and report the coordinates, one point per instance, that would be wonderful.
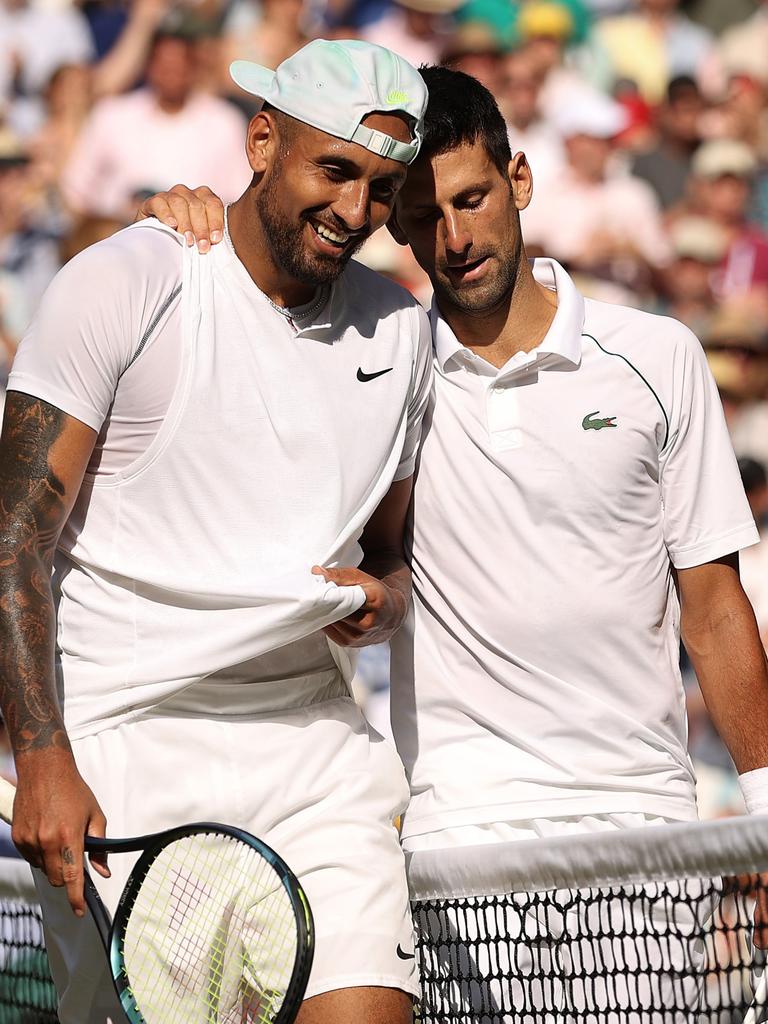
(334, 173)
(472, 202)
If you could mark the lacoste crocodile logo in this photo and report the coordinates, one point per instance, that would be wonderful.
(589, 424)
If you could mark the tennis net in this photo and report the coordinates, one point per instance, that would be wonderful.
(645, 926)
(26, 991)
(648, 926)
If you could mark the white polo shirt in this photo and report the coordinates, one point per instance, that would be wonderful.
(538, 673)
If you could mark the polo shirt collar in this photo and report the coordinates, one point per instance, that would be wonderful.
(562, 340)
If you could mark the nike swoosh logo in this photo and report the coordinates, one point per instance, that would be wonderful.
(400, 953)
(363, 376)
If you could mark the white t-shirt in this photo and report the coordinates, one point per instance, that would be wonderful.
(538, 674)
(236, 450)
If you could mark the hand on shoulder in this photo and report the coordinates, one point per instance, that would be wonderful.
(198, 214)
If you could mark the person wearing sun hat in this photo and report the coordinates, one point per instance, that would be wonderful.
(722, 177)
(246, 425)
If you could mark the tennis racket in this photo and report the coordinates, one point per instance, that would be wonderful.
(212, 927)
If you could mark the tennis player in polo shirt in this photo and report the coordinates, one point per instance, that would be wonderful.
(577, 505)
(185, 438)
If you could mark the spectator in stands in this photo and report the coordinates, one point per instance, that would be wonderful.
(743, 114)
(265, 33)
(722, 176)
(529, 132)
(36, 39)
(667, 166)
(743, 48)
(653, 45)
(68, 100)
(698, 247)
(737, 351)
(155, 136)
(595, 220)
(416, 29)
(29, 254)
(475, 49)
(546, 29)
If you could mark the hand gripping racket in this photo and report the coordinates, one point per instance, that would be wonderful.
(212, 927)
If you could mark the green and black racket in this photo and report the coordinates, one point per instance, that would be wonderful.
(212, 927)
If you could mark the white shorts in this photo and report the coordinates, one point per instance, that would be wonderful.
(551, 961)
(315, 783)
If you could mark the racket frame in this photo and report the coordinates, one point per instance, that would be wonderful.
(150, 846)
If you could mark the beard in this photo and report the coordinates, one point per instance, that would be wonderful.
(287, 244)
(488, 293)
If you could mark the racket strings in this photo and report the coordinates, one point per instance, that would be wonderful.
(211, 937)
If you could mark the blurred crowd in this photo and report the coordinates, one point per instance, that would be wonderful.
(645, 123)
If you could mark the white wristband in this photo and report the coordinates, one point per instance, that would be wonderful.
(754, 788)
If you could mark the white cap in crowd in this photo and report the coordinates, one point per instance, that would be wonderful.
(719, 157)
(591, 113)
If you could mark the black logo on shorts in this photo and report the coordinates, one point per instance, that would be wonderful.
(363, 376)
(404, 956)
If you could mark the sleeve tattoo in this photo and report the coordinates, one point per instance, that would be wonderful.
(32, 512)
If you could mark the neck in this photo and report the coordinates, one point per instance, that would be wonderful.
(251, 245)
(518, 323)
(169, 106)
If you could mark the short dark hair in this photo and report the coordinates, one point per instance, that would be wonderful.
(681, 88)
(461, 112)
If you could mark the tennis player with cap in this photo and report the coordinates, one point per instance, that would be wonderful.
(577, 506)
(215, 455)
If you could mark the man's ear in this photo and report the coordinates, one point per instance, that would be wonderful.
(260, 141)
(394, 228)
(520, 180)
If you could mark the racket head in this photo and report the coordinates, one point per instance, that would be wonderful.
(192, 895)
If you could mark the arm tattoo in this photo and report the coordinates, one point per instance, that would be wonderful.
(32, 512)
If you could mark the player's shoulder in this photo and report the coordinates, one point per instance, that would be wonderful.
(147, 251)
(135, 269)
(647, 339)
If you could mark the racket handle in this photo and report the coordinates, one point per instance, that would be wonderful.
(7, 796)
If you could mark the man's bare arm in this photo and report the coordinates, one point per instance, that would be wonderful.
(43, 456)
(722, 639)
(383, 575)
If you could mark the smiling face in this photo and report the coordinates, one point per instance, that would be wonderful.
(319, 197)
(459, 214)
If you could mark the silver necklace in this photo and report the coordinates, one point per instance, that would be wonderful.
(289, 314)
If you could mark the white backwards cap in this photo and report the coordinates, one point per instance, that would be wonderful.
(333, 86)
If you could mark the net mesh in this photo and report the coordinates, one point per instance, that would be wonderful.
(27, 995)
(648, 927)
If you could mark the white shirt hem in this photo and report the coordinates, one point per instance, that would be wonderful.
(45, 392)
(679, 808)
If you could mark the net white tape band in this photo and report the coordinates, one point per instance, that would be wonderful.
(16, 881)
(633, 856)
